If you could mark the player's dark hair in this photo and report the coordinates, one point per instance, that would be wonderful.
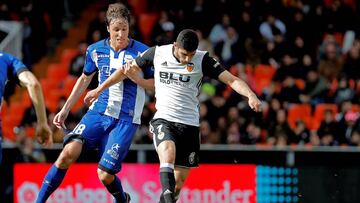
(116, 11)
(188, 40)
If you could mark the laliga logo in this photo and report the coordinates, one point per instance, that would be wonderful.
(27, 192)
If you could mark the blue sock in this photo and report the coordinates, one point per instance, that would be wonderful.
(51, 182)
(115, 188)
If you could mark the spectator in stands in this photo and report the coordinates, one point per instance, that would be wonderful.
(233, 133)
(218, 32)
(135, 32)
(328, 131)
(12, 66)
(332, 64)
(355, 138)
(167, 35)
(280, 130)
(204, 43)
(272, 28)
(252, 134)
(29, 118)
(315, 88)
(351, 124)
(29, 153)
(352, 62)
(207, 136)
(227, 50)
(158, 27)
(323, 47)
(77, 63)
(297, 25)
(301, 135)
(97, 28)
(344, 92)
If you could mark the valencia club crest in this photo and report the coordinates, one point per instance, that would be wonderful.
(190, 67)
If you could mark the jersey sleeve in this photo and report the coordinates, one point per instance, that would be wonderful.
(90, 66)
(146, 59)
(16, 65)
(211, 67)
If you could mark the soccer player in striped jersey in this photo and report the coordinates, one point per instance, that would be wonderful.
(112, 120)
(179, 68)
(13, 68)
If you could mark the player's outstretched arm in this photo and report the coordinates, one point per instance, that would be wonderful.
(242, 88)
(80, 86)
(114, 78)
(43, 131)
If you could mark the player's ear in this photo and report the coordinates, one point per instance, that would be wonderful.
(108, 28)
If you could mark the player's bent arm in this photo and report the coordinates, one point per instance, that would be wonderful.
(236, 84)
(114, 78)
(132, 70)
(33, 86)
(80, 86)
(146, 84)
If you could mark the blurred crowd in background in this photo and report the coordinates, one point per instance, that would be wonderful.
(302, 58)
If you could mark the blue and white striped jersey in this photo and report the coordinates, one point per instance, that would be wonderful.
(124, 100)
(10, 67)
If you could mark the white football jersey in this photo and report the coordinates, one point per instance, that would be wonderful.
(177, 86)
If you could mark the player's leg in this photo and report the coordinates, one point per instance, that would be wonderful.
(181, 174)
(73, 145)
(164, 141)
(57, 172)
(116, 149)
(187, 154)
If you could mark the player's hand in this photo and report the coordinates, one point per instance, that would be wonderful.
(91, 96)
(44, 135)
(133, 73)
(254, 103)
(60, 118)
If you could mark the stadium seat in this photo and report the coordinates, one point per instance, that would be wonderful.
(68, 85)
(16, 111)
(67, 55)
(79, 104)
(321, 108)
(300, 83)
(296, 112)
(30, 131)
(57, 72)
(355, 108)
(146, 25)
(263, 75)
(138, 6)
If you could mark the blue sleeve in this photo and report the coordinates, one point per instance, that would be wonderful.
(90, 66)
(16, 65)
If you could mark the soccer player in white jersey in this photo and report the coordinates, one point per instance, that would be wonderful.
(179, 68)
(112, 120)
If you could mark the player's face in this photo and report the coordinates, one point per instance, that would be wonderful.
(183, 55)
(119, 32)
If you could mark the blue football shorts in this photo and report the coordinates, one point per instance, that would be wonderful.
(111, 136)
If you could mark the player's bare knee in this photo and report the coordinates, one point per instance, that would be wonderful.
(105, 177)
(65, 159)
